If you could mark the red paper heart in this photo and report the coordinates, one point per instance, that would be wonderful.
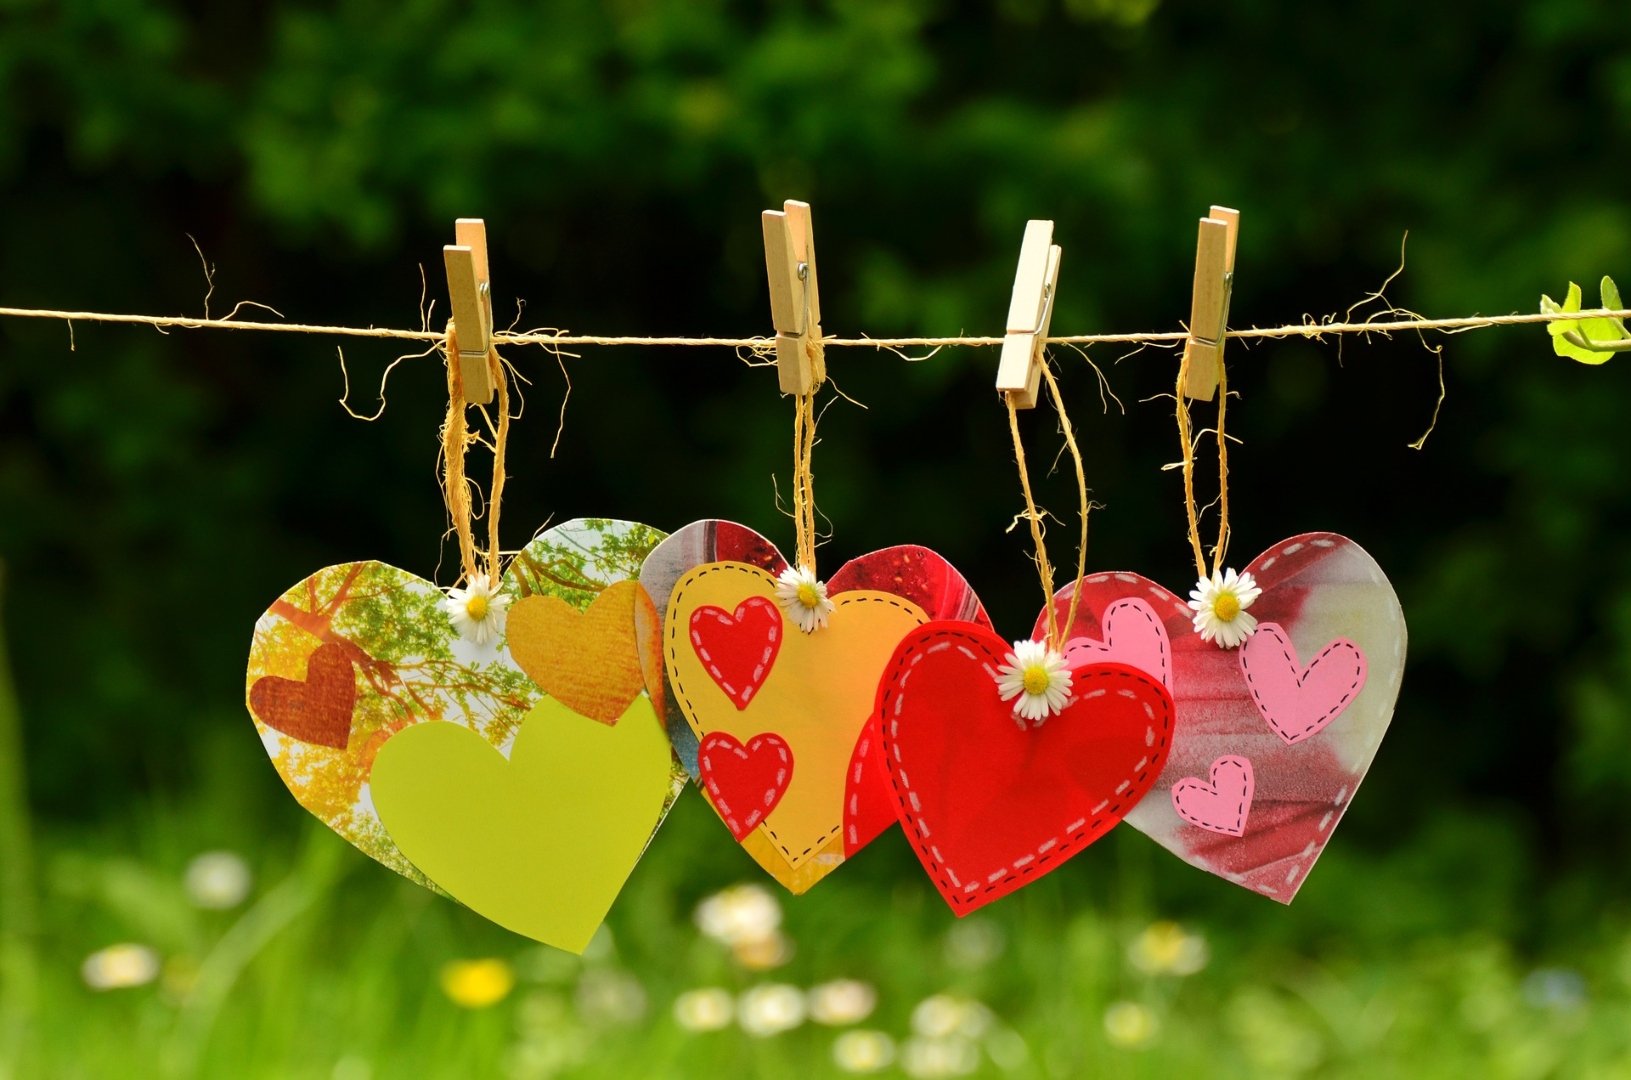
(1319, 589)
(1298, 701)
(989, 803)
(868, 809)
(744, 782)
(317, 710)
(738, 649)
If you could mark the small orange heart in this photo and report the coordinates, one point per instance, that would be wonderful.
(588, 660)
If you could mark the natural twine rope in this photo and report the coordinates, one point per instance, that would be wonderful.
(804, 527)
(1303, 330)
(456, 440)
(1186, 439)
(1044, 567)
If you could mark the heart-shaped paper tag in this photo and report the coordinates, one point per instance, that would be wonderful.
(540, 843)
(713, 584)
(990, 803)
(585, 658)
(1306, 714)
(405, 664)
(744, 782)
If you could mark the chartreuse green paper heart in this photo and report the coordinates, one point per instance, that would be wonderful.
(540, 843)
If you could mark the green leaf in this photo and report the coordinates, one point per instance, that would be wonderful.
(1598, 329)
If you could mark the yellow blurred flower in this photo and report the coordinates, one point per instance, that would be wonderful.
(863, 1051)
(476, 984)
(842, 1001)
(119, 967)
(1129, 1025)
(705, 1009)
(1165, 948)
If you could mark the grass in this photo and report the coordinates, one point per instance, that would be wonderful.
(332, 967)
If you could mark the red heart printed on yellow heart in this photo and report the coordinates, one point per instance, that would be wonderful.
(737, 665)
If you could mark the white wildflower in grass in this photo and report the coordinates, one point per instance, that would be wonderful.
(705, 1009)
(770, 1009)
(1036, 676)
(803, 598)
(944, 1015)
(841, 1002)
(1165, 948)
(929, 1058)
(863, 1051)
(973, 943)
(763, 953)
(1129, 1025)
(477, 610)
(738, 914)
(218, 880)
(606, 998)
(119, 967)
(1220, 604)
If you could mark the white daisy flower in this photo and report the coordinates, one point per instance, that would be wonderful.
(477, 610)
(1036, 675)
(803, 598)
(1220, 604)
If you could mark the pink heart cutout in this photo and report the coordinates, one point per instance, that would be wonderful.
(1318, 589)
(1296, 701)
(1220, 804)
(1133, 635)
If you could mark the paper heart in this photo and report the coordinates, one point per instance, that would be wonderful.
(586, 658)
(1296, 701)
(991, 804)
(1133, 635)
(411, 666)
(540, 843)
(1220, 803)
(737, 648)
(316, 709)
(744, 782)
(1318, 588)
(818, 691)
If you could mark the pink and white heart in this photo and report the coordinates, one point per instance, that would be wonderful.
(1304, 733)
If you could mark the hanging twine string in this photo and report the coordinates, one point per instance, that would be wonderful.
(804, 526)
(1308, 329)
(1044, 566)
(456, 440)
(1186, 440)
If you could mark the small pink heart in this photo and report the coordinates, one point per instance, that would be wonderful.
(1296, 701)
(1222, 804)
(1133, 635)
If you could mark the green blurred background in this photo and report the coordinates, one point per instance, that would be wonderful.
(157, 491)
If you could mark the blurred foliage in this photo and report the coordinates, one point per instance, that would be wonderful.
(156, 491)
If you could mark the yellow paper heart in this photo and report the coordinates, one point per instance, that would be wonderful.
(588, 660)
(541, 843)
(817, 696)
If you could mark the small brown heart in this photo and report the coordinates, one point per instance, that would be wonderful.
(317, 710)
(589, 660)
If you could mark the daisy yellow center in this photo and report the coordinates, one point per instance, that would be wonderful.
(1037, 679)
(476, 607)
(808, 596)
(1226, 606)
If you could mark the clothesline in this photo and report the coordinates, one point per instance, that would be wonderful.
(553, 339)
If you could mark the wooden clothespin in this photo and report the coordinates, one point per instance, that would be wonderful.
(470, 290)
(795, 302)
(1019, 371)
(1209, 310)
